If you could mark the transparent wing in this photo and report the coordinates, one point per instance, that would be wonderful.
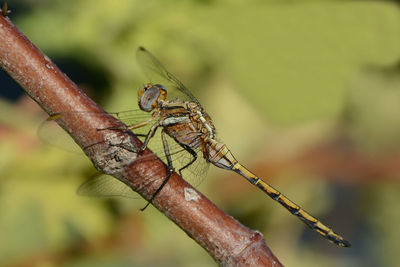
(194, 173)
(51, 134)
(158, 74)
(107, 186)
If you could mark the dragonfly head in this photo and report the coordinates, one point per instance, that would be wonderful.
(150, 95)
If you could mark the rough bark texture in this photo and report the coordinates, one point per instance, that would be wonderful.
(226, 240)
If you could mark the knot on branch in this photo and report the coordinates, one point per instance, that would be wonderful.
(115, 153)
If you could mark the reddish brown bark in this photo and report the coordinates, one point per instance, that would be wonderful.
(226, 240)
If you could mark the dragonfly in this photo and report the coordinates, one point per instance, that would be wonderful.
(188, 136)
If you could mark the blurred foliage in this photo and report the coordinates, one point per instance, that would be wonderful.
(287, 74)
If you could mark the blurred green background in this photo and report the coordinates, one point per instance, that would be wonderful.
(305, 93)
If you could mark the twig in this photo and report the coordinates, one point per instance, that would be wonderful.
(225, 239)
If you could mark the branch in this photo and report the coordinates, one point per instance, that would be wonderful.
(225, 239)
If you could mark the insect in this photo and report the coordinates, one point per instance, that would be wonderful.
(188, 136)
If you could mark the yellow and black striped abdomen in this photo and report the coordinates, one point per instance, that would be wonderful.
(221, 156)
(307, 218)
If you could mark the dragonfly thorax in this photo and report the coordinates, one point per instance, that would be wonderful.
(150, 95)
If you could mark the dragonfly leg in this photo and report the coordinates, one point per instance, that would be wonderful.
(122, 127)
(170, 169)
(193, 153)
(139, 125)
(149, 135)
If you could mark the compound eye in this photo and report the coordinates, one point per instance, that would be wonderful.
(148, 97)
(163, 91)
